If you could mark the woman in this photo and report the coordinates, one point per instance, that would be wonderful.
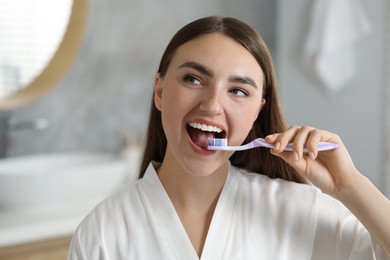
(216, 79)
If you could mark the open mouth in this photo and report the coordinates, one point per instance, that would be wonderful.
(200, 133)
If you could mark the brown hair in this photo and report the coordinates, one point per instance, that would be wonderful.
(270, 119)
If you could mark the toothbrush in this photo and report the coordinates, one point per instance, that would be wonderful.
(221, 144)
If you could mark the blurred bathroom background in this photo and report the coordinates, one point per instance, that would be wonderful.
(101, 103)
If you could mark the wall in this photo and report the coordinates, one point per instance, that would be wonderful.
(355, 112)
(106, 94)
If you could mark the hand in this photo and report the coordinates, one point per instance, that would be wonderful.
(332, 171)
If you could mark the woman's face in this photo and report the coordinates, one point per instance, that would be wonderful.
(212, 88)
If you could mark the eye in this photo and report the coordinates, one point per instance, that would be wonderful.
(239, 92)
(192, 80)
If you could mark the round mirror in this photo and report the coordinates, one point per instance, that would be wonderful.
(39, 40)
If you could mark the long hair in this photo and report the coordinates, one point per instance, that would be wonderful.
(270, 119)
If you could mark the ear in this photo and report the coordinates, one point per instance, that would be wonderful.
(262, 104)
(158, 89)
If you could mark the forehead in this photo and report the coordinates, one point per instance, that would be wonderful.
(214, 43)
(218, 51)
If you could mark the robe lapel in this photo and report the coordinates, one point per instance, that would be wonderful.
(164, 218)
(220, 226)
(167, 223)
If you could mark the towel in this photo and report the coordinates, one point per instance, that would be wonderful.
(329, 49)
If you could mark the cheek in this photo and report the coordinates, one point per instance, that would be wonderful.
(175, 106)
(245, 122)
(174, 101)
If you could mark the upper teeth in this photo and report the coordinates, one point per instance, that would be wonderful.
(204, 127)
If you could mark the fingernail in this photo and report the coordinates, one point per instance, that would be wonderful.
(277, 146)
(296, 156)
(312, 156)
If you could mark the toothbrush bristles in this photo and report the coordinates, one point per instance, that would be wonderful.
(217, 142)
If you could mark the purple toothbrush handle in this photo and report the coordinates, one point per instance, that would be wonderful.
(322, 146)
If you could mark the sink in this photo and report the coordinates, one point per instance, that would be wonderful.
(53, 180)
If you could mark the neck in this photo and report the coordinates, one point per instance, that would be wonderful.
(191, 192)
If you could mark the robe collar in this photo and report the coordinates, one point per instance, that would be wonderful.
(167, 221)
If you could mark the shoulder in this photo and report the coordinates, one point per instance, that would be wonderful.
(277, 200)
(127, 197)
(280, 187)
(120, 208)
(296, 198)
(113, 223)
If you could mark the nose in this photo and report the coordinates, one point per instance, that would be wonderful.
(212, 103)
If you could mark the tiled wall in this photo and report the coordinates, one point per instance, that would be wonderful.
(106, 94)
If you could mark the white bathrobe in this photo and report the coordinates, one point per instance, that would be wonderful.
(255, 218)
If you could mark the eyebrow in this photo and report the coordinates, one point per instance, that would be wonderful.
(197, 66)
(206, 71)
(243, 80)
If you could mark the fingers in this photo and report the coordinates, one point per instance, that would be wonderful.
(304, 140)
(281, 140)
(299, 143)
(312, 143)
